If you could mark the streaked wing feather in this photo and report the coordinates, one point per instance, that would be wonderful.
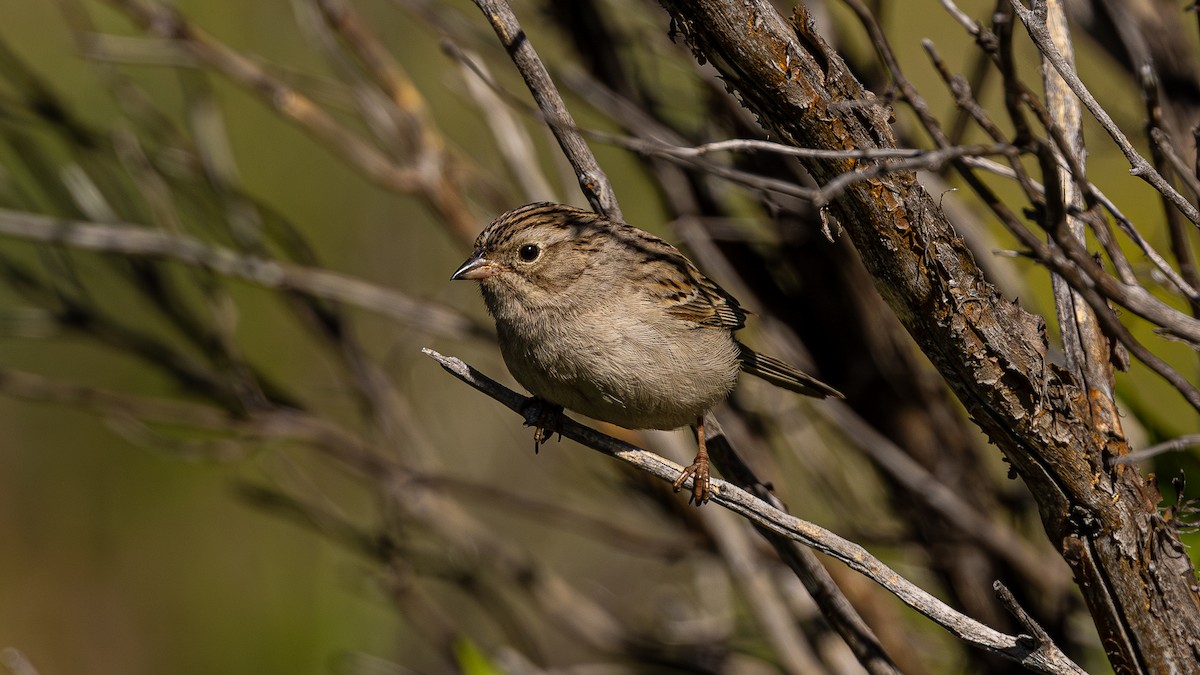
(671, 278)
(709, 305)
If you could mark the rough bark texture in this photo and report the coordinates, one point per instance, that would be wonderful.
(1131, 568)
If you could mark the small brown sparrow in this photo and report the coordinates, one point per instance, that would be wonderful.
(610, 321)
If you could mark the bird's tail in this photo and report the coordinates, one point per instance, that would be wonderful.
(782, 375)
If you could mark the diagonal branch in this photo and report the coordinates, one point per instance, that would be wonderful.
(991, 352)
(1035, 21)
(592, 179)
(1038, 656)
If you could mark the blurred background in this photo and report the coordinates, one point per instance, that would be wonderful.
(210, 468)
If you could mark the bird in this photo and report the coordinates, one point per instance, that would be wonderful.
(608, 320)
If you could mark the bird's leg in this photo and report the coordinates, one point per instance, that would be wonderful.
(698, 471)
(543, 416)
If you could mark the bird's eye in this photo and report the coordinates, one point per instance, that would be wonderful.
(529, 252)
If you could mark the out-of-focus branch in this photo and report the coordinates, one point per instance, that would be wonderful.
(572, 610)
(1040, 657)
(134, 240)
(258, 425)
(1168, 162)
(512, 139)
(1000, 540)
(592, 179)
(805, 564)
(411, 177)
(439, 168)
(595, 525)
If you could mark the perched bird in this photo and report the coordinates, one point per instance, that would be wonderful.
(610, 321)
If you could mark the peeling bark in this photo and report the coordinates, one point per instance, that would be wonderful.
(1059, 437)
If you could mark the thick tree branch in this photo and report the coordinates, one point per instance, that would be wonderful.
(991, 352)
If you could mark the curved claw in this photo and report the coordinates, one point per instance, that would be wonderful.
(698, 471)
(546, 419)
(701, 487)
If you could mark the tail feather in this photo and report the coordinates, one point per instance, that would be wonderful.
(782, 375)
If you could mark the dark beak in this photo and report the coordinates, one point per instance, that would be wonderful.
(475, 268)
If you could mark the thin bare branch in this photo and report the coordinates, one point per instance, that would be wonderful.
(439, 168)
(135, 240)
(1173, 445)
(1016, 648)
(592, 179)
(167, 23)
(1034, 20)
(513, 141)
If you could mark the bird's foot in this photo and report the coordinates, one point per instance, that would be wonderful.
(701, 488)
(545, 418)
(698, 471)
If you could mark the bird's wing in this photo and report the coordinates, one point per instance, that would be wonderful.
(671, 279)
